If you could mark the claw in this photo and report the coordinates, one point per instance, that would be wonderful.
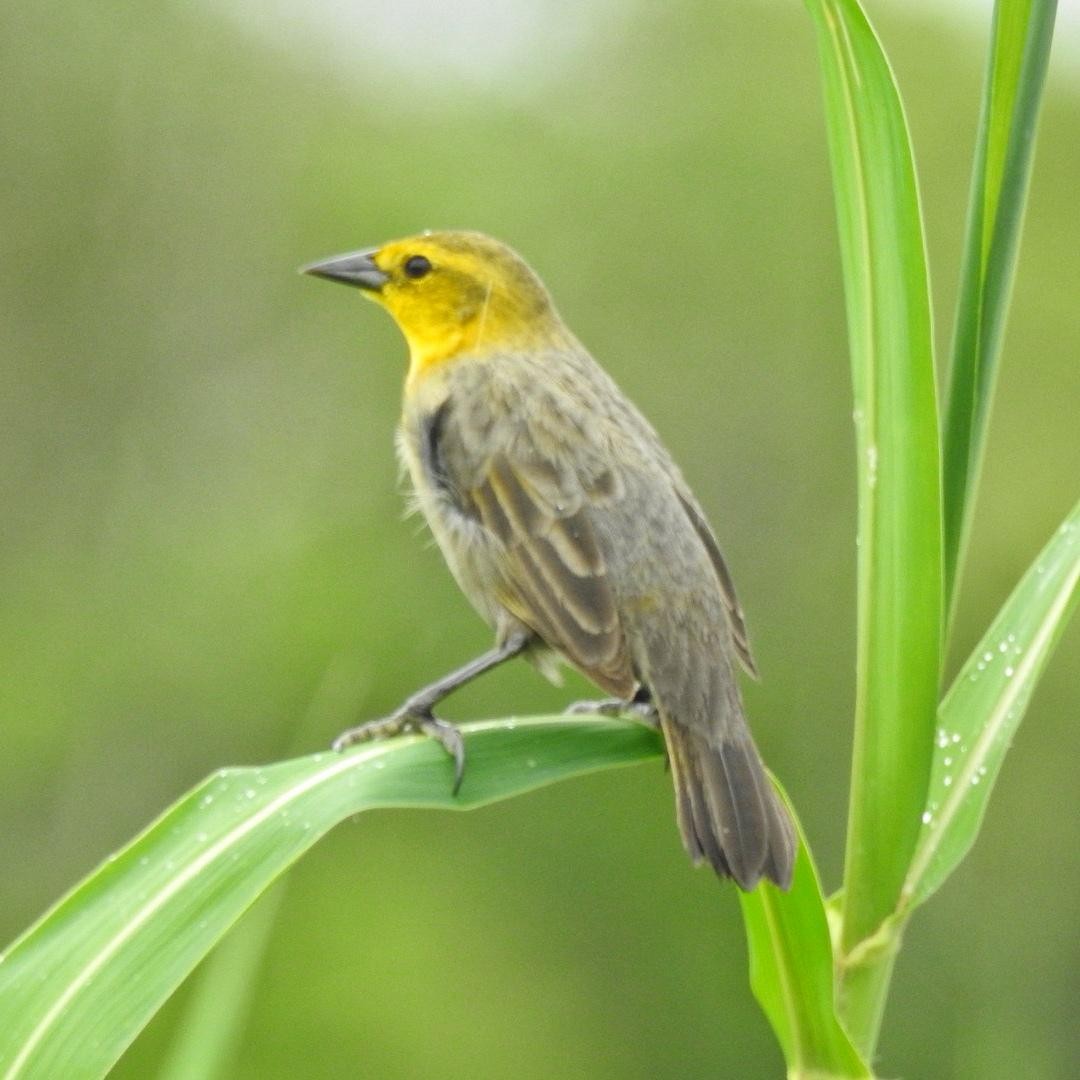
(399, 723)
(603, 707)
(344, 741)
(384, 728)
(643, 710)
(450, 738)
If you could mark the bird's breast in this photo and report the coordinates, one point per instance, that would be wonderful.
(439, 463)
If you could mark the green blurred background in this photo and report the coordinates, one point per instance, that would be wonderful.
(204, 559)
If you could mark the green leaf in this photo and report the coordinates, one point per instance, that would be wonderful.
(80, 984)
(1016, 72)
(899, 572)
(791, 973)
(986, 703)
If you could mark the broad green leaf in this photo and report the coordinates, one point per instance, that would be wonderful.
(77, 987)
(896, 424)
(983, 708)
(1016, 72)
(791, 973)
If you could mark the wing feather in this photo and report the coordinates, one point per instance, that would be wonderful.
(736, 618)
(556, 568)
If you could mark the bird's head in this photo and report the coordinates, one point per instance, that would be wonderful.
(452, 294)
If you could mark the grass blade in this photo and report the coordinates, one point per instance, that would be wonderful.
(1016, 71)
(791, 973)
(985, 705)
(77, 987)
(899, 575)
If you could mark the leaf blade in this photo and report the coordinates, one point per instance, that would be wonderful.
(985, 705)
(1016, 73)
(791, 972)
(208, 1035)
(81, 982)
(899, 566)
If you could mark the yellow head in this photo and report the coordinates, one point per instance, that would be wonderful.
(453, 294)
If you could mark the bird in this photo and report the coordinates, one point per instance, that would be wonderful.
(569, 527)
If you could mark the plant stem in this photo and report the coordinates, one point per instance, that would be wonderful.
(863, 978)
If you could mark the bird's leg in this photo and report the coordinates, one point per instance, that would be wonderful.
(641, 706)
(416, 712)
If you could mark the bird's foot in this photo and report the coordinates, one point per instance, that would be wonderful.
(407, 721)
(639, 706)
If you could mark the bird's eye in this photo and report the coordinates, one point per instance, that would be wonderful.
(416, 266)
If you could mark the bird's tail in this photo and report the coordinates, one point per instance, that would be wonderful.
(729, 813)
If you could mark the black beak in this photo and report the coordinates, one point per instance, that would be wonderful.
(357, 269)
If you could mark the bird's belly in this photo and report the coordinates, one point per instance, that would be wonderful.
(473, 555)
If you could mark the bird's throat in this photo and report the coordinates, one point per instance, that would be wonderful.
(424, 358)
(429, 353)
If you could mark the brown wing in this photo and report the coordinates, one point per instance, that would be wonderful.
(557, 574)
(736, 619)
